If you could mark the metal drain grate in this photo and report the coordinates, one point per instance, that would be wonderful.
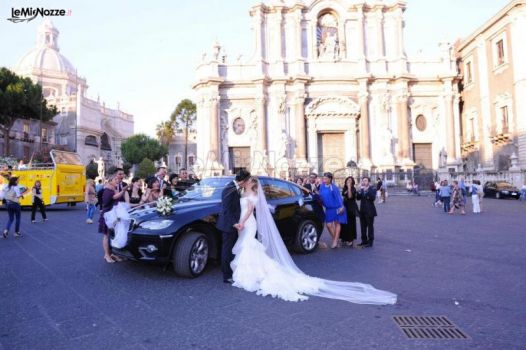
(429, 327)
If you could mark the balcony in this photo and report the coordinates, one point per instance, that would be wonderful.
(501, 136)
(469, 145)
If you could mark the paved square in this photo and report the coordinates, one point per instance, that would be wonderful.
(57, 293)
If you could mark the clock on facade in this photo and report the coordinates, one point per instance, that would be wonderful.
(239, 126)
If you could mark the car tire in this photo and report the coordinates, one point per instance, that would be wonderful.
(190, 254)
(306, 239)
(497, 195)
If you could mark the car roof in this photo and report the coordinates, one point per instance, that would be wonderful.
(231, 177)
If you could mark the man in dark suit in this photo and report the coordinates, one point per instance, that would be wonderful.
(121, 185)
(314, 189)
(367, 194)
(228, 221)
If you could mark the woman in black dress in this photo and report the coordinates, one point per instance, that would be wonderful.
(348, 232)
(110, 197)
(134, 194)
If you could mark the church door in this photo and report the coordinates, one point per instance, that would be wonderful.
(239, 158)
(331, 151)
(423, 155)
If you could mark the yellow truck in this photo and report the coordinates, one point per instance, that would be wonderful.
(63, 180)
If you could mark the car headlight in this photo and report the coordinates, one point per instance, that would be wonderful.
(156, 224)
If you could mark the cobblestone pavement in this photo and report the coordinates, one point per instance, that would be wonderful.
(57, 293)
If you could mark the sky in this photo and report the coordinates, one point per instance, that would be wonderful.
(143, 54)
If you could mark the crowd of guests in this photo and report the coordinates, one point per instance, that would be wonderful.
(137, 192)
(453, 197)
(339, 208)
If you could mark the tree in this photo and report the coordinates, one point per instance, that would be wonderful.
(20, 98)
(141, 146)
(184, 118)
(165, 132)
(146, 168)
(92, 170)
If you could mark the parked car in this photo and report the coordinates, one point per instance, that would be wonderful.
(187, 238)
(501, 189)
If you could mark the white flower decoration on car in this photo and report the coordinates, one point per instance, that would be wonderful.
(164, 205)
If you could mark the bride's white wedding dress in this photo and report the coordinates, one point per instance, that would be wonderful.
(264, 266)
(255, 271)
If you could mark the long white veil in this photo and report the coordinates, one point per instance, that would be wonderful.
(270, 237)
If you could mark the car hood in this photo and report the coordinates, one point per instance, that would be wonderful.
(507, 188)
(177, 209)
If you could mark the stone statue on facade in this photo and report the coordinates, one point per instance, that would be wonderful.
(100, 167)
(328, 43)
(442, 158)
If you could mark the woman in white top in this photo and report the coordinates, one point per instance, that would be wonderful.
(12, 195)
(476, 195)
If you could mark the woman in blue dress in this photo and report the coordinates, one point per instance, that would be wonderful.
(334, 209)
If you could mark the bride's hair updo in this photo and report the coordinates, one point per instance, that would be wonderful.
(253, 181)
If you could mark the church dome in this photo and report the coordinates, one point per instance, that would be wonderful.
(45, 56)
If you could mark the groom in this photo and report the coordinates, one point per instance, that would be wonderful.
(228, 221)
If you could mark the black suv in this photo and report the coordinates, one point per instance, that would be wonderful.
(187, 238)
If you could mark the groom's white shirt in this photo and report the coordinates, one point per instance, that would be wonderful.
(235, 183)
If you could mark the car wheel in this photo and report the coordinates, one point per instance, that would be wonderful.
(190, 255)
(306, 238)
(497, 195)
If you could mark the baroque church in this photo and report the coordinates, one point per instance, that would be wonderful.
(329, 84)
(83, 125)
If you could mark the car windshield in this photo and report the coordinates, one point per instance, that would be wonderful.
(206, 189)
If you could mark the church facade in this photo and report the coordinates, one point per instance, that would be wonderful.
(329, 84)
(83, 125)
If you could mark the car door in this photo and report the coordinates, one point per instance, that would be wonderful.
(491, 188)
(282, 203)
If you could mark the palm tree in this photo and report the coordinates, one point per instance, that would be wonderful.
(184, 118)
(165, 132)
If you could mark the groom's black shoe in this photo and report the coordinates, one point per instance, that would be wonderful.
(363, 244)
(228, 280)
(368, 245)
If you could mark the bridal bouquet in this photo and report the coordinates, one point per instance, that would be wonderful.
(164, 205)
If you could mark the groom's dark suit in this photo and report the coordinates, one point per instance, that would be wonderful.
(229, 215)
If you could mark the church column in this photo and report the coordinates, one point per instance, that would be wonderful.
(300, 129)
(450, 125)
(262, 124)
(361, 41)
(365, 151)
(403, 128)
(312, 143)
(214, 127)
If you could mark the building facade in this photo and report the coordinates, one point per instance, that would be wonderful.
(492, 62)
(329, 83)
(176, 151)
(83, 125)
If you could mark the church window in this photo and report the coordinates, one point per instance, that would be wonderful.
(421, 122)
(504, 119)
(191, 161)
(105, 142)
(44, 135)
(91, 141)
(469, 73)
(500, 52)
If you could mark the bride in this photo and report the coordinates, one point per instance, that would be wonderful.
(263, 264)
